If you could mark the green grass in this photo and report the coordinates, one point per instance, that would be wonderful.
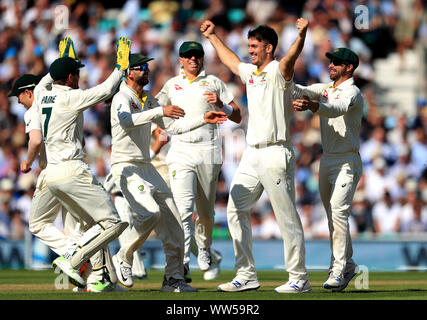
(39, 285)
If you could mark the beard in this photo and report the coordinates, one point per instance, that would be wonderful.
(142, 81)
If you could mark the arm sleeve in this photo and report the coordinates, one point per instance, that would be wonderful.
(313, 92)
(245, 71)
(223, 93)
(163, 96)
(80, 100)
(338, 107)
(44, 84)
(128, 120)
(180, 126)
(31, 119)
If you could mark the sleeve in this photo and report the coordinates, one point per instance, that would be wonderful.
(338, 107)
(279, 81)
(31, 120)
(128, 120)
(44, 84)
(163, 96)
(80, 100)
(179, 126)
(223, 93)
(245, 71)
(313, 91)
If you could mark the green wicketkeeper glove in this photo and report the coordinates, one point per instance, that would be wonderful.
(123, 53)
(66, 48)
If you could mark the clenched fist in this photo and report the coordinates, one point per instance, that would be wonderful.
(207, 28)
(302, 25)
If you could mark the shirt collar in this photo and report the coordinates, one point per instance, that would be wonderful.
(201, 74)
(125, 86)
(267, 68)
(61, 87)
(347, 83)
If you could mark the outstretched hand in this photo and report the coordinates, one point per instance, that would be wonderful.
(302, 26)
(305, 104)
(172, 111)
(123, 53)
(207, 28)
(215, 117)
(66, 48)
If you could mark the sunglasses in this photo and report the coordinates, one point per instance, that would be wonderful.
(337, 62)
(190, 54)
(143, 67)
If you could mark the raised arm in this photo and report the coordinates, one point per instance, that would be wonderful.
(287, 63)
(227, 57)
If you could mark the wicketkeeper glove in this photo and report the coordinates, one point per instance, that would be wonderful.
(66, 48)
(123, 53)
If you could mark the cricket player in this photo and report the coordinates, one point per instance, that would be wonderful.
(195, 158)
(268, 162)
(339, 105)
(67, 177)
(132, 112)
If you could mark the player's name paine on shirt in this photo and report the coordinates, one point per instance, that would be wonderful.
(48, 99)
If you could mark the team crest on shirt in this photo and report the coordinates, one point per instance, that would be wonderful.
(251, 80)
(177, 87)
(325, 93)
(203, 83)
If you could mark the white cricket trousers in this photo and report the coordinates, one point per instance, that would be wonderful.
(77, 189)
(152, 207)
(338, 178)
(44, 211)
(271, 169)
(195, 185)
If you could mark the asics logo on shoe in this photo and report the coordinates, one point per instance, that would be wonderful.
(237, 283)
(294, 286)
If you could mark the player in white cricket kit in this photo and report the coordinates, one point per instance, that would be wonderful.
(339, 105)
(268, 162)
(68, 178)
(132, 112)
(195, 158)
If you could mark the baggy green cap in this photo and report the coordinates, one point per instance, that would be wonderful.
(26, 81)
(62, 67)
(137, 59)
(345, 55)
(191, 46)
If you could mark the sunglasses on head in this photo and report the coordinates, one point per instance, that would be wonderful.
(191, 54)
(337, 62)
(142, 67)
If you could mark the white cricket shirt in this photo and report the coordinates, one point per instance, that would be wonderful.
(61, 113)
(188, 95)
(131, 118)
(340, 111)
(32, 122)
(269, 104)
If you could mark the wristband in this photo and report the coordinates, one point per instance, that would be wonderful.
(152, 154)
(228, 110)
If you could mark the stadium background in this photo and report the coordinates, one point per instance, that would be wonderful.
(389, 212)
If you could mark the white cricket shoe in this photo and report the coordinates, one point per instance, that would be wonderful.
(348, 275)
(299, 286)
(237, 285)
(204, 259)
(176, 285)
(123, 271)
(333, 281)
(213, 272)
(73, 275)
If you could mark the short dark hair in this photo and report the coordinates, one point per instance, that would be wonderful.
(264, 33)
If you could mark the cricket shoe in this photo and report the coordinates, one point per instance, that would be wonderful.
(204, 259)
(333, 282)
(238, 285)
(187, 275)
(73, 275)
(299, 286)
(176, 285)
(113, 288)
(123, 271)
(348, 275)
(214, 269)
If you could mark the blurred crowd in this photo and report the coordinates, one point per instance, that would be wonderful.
(392, 194)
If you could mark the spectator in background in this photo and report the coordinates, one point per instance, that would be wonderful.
(386, 215)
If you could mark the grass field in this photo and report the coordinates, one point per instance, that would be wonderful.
(40, 285)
